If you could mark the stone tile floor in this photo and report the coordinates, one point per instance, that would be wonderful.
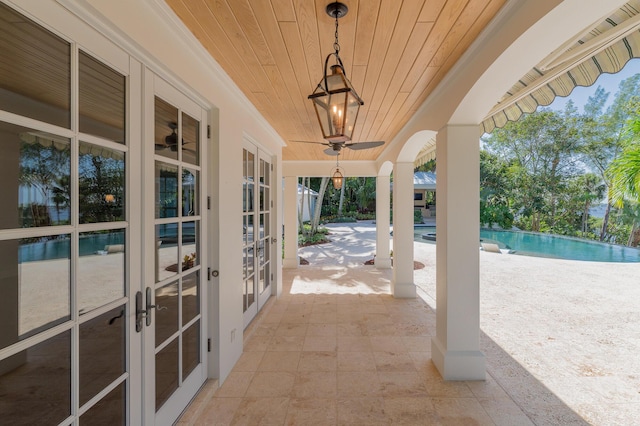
(337, 348)
(560, 339)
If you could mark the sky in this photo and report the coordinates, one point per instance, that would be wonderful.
(609, 82)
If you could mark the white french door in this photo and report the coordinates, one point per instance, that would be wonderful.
(171, 304)
(258, 241)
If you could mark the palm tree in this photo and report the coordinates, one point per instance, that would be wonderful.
(625, 180)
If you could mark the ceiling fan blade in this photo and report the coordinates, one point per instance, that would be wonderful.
(319, 143)
(331, 151)
(364, 145)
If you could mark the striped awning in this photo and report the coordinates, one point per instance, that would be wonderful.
(605, 48)
(426, 154)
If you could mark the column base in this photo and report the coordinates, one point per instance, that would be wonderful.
(383, 263)
(289, 263)
(458, 365)
(404, 290)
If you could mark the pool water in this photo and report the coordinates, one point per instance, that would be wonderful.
(60, 248)
(546, 245)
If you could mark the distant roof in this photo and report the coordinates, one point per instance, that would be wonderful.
(424, 180)
(303, 190)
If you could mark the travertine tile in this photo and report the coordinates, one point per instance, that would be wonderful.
(285, 343)
(295, 317)
(235, 385)
(323, 318)
(271, 384)
(356, 361)
(410, 411)
(387, 344)
(438, 387)
(462, 411)
(322, 330)
(392, 361)
(318, 361)
(357, 329)
(261, 411)
(315, 384)
(320, 343)
(374, 329)
(354, 344)
(317, 308)
(311, 412)
(248, 361)
(417, 343)
(219, 411)
(279, 361)
(291, 329)
(401, 384)
(358, 384)
(257, 344)
(362, 411)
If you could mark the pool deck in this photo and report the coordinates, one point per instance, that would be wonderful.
(561, 337)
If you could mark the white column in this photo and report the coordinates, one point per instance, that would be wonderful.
(290, 222)
(455, 349)
(402, 284)
(383, 193)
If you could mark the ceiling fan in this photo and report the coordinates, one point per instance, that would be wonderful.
(336, 147)
(171, 141)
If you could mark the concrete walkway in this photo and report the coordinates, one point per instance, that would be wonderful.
(561, 340)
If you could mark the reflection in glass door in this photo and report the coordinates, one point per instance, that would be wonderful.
(64, 232)
(256, 231)
(173, 301)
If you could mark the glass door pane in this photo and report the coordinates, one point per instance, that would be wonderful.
(63, 299)
(174, 328)
(250, 230)
(265, 245)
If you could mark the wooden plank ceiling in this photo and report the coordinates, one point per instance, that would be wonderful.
(395, 53)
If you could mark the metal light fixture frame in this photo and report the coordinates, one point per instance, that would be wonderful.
(337, 177)
(335, 100)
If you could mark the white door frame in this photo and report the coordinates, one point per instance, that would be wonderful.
(260, 297)
(171, 409)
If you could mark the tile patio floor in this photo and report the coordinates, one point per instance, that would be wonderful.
(337, 348)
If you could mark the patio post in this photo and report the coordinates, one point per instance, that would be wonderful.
(456, 347)
(402, 284)
(383, 192)
(290, 260)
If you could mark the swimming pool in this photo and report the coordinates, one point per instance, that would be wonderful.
(553, 246)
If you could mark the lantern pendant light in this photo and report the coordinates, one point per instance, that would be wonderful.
(337, 177)
(335, 101)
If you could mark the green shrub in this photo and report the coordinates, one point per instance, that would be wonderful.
(307, 229)
(366, 216)
(336, 219)
(311, 240)
(417, 216)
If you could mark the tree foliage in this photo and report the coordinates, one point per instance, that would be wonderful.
(547, 171)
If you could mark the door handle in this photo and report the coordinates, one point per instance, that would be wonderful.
(140, 313)
(145, 313)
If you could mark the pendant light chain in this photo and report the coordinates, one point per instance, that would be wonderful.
(336, 45)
